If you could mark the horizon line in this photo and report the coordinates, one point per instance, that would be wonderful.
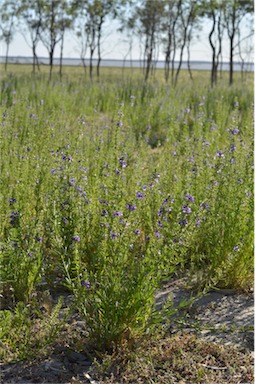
(119, 60)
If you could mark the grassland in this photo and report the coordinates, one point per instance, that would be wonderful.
(110, 187)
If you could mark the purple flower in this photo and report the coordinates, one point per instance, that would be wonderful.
(235, 248)
(39, 239)
(137, 231)
(103, 202)
(198, 222)
(12, 200)
(232, 148)
(14, 217)
(157, 233)
(131, 207)
(190, 198)
(220, 154)
(160, 224)
(186, 209)
(104, 213)
(117, 172)
(204, 205)
(235, 131)
(147, 238)
(72, 182)
(116, 213)
(113, 235)
(160, 211)
(122, 162)
(183, 222)
(139, 195)
(119, 124)
(85, 284)
(76, 238)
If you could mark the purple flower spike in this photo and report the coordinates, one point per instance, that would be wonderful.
(131, 207)
(190, 198)
(186, 209)
(117, 214)
(86, 284)
(139, 195)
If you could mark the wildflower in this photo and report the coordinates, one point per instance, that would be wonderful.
(186, 209)
(120, 124)
(232, 148)
(72, 182)
(117, 172)
(190, 198)
(12, 201)
(85, 284)
(160, 224)
(131, 207)
(235, 248)
(204, 205)
(103, 202)
(198, 222)
(76, 238)
(220, 154)
(139, 195)
(117, 213)
(157, 233)
(122, 162)
(147, 238)
(14, 217)
(160, 211)
(183, 222)
(137, 231)
(104, 213)
(113, 235)
(234, 131)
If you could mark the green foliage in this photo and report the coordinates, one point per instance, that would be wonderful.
(110, 188)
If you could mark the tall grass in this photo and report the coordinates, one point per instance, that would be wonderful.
(110, 187)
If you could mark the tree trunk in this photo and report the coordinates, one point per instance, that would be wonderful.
(231, 60)
(6, 56)
(61, 56)
(213, 50)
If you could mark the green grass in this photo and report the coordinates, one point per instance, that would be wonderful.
(110, 187)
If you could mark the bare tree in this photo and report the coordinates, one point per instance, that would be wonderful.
(234, 13)
(8, 19)
(31, 16)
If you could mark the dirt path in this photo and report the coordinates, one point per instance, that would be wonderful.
(223, 316)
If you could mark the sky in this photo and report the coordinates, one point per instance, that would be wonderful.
(114, 46)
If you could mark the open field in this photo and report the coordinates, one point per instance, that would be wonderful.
(109, 188)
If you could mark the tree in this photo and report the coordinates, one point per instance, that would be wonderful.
(51, 31)
(214, 11)
(188, 17)
(148, 18)
(170, 25)
(8, 19)
(93, 15)
(31, 16)
(234, 13)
